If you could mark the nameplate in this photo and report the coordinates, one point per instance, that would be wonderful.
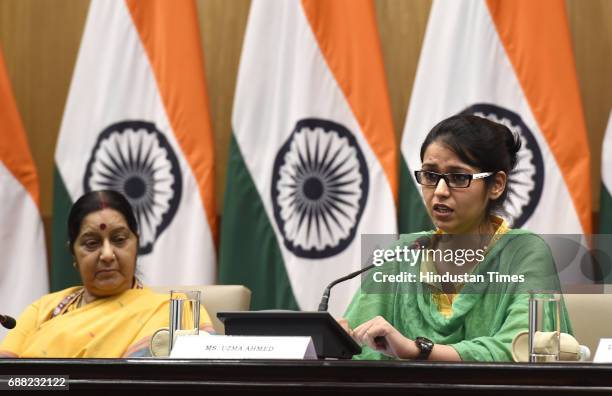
(242, 347)
(604, 351)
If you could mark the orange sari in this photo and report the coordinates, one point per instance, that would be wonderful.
(108, 327)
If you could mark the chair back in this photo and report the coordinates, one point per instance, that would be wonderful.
(591, 317)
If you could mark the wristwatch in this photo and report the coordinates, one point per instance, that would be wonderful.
(425, 345)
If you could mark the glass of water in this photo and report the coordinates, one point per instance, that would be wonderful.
(544, 326)
(184, 314)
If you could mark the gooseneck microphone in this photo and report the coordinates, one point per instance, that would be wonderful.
(326, 293)
(420, 243)
(7, 321)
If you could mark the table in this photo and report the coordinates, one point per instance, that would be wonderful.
(101, 376)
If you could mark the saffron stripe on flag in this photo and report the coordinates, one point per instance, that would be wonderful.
(23, 263)
(546, 70)
(304, 128)
(497, 81)
(361, 77)
(138, 123)
(175, 53)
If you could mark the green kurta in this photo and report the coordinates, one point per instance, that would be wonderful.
(485, 316)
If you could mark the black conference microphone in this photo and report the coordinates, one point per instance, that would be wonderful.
(420, 243)
(7, 321)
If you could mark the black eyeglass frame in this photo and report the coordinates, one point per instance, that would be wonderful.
(445, 176)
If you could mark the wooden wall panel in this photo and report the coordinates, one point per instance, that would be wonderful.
(222, 28)
(401, 25)
(40, 39)
(591, 25)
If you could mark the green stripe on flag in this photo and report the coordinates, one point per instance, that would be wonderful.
(413, 216)
(63, 273)
(605, 211)
(249, 253)
(605, 227)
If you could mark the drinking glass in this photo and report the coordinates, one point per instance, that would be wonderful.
(544, 326)
(184, 314)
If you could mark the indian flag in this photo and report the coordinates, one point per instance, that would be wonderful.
(511, 62)
(23, 263)
(136, 121)
(605, 206)
(312, 161)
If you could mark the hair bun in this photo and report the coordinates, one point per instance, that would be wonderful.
(513, 145)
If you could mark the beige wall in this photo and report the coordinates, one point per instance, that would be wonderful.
(40, 39)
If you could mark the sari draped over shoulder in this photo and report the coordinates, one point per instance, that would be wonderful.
(104, 328)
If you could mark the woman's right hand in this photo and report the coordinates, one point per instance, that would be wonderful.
(381, 336)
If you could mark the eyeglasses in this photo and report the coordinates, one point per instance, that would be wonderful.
(453, 180)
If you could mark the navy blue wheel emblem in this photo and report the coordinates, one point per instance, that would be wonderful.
(526, 181)
(134, 158)
(319, 189)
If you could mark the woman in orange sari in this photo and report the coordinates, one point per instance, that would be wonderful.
(112, 314)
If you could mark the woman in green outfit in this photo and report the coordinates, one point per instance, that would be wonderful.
(474, 312)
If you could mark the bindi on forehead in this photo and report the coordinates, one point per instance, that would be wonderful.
(102, 221)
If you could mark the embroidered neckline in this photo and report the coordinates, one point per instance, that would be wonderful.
(74, 299)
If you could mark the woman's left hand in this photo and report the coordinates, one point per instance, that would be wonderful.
(379, 335)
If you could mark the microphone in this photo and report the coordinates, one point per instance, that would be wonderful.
(7, 321)
(420, 243)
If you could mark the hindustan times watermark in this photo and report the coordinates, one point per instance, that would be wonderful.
(432, 277)
(515, 262)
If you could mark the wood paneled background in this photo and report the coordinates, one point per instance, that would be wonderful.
(40, 40)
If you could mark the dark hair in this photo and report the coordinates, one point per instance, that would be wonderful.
(94, 201)
(480, 143)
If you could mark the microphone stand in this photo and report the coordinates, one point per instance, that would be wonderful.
(325, 299)
(420, 243)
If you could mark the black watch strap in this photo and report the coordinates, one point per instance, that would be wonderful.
(425, 346)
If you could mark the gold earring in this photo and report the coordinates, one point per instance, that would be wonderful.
(74, 264)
